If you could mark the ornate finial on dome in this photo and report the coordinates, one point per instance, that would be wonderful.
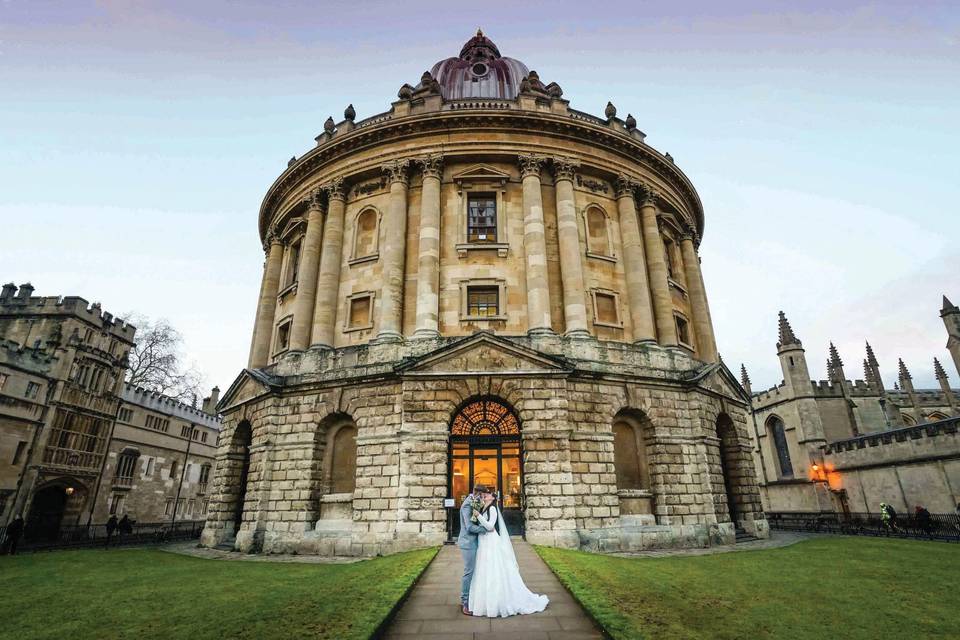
(479, 32)
(349, 113)
(631, 122)
(329, 126)
(610, 111)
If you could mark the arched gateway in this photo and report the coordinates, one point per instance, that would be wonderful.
(485, 448)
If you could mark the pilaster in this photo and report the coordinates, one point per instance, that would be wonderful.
(303, 306)
(428, 272)
(391, 309)
(328, 278)
(571, 265)
(535, 247)
(657, 269)
(267, 306)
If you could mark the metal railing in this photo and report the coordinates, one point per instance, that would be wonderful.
(94, 535)
(940, 526)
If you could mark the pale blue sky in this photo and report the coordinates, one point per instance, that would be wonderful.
(137, 140)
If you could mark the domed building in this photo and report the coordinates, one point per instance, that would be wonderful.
(482, 285)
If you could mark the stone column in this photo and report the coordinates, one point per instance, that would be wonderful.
(328, 279)
(428, 272)
(657, 269)
(571, 266)
(391, 307)
(535, 248)
(267, 307)
(307, 275)
(706, 345)
(635, 264)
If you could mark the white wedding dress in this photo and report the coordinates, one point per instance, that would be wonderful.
(497, 590)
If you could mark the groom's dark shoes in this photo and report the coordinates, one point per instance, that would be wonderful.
(466, 611)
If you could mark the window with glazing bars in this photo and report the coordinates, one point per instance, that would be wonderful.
(483, 301)
(482, 218)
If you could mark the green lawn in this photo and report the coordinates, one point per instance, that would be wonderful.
(836, 587)
(147, 593)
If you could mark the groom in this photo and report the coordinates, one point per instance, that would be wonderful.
(468, 541)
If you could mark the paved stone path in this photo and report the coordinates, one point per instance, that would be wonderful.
(433, 610)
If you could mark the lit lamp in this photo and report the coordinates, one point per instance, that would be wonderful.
(68, 491)
(818, 472)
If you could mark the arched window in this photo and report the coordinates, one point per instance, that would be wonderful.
(937, 415)
(343, 460)
(908, 420)
(365, 234)
(598, 236)
(776, 429)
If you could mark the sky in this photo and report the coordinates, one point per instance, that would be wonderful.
(137, 140)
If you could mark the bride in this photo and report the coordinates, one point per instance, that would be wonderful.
(497, 590)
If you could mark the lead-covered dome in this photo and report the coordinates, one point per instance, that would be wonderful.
(479, 72)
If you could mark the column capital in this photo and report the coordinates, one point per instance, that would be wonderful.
(689, 233)
(530, 164)
(273, 238)
(335, 189)
(314, 200)
(624, 186)
(564, 168)
(397, 171)
(431, 165)
(650, 195)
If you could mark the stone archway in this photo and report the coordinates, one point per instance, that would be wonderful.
(54, 506)
(485, 448)
(240, 458)
(729, 461)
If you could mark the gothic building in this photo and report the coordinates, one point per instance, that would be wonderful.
(482, 284)
(76, 443)
(842, 445)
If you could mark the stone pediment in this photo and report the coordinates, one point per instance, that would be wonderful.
(481, 173)
(484, 354)
(250, 384)
(719, 379)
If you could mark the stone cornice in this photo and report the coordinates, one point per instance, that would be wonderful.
(548, 125)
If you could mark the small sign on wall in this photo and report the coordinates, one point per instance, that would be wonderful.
(449, 503)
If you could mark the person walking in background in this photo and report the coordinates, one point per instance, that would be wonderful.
(14, 533)
(923, 521)
(111, 527)
(125, 526)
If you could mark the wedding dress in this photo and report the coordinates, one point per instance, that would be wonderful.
(497, 590)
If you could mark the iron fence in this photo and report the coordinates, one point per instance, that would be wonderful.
(941, 526)
(78, 536)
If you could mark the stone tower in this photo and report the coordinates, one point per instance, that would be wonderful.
(951, 320)
(796, 377)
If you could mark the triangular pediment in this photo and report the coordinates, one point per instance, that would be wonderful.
(719, 379)
(484, 354)
(481, 173)
(250, 384)
(293, 226)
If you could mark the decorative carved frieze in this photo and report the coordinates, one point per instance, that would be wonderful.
(432, 166)
(366, 188)
(564, 168)
(530, 165)
(595, 186)
(397, 171)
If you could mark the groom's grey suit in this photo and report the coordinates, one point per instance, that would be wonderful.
(467, 541)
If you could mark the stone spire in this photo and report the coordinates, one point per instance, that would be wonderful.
(745, 379)
(941, 376)
(948, 307)
(874, 379)
(786, 333)
(868, 373)
(871, 359)
(904, 373)
(906, 383)
(835, 365)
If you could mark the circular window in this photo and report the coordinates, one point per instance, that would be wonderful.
(479, 69)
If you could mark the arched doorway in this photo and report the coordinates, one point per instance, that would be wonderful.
(54, 506)
(240, 451)
(485, 448)
(727, 434)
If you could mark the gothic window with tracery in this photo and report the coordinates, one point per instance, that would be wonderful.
(485, 418)
(780, 444)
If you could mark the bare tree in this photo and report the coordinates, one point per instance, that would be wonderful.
(157, 363)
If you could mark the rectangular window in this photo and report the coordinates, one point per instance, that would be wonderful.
(190, 506)
(293, 263)
(683, 331)
(283, 336)
(116, 503)
(668, 256)
(126, 415)
(21, 447)
(185, 431)
(149, 470)
(483, 301)
(360, 312)
(481, 218)
(180, 506)
(5, 496)
(607, 309)
(168, 507)
(32, 390)
(203, 436)
(173, 470)
(3, 380)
